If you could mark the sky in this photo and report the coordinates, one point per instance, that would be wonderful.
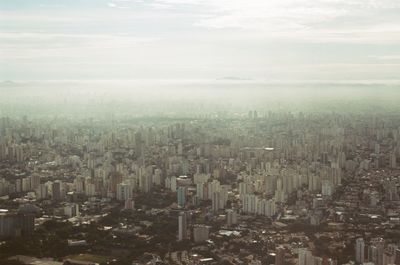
(270, 40)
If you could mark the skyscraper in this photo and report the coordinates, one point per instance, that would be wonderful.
(181, 194)
(182, 229)
(56, 191)
(215, 201)
(124, 191)
(360, 247)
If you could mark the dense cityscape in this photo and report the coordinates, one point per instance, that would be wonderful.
(199, 132)
(263, 188)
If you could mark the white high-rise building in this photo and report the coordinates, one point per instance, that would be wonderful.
(249, 204)
(327, 188)
(212, 187)
(26, 184)
(157, 177)
(145, 183)
(173, 184)
(90, 189)
(216, 197)
(200, 191)
(244, 188)
(71, 210)
(266, 207)
(167, 183)
(124, 191)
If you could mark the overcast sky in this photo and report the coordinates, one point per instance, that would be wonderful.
(200, 39)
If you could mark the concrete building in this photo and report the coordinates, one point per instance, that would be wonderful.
(182, 226)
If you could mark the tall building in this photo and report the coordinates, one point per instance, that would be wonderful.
(56, 191)
(115, 179)
(90, 189)
(19, 153)
(129, 204)
(41, 192)
(231, 217)
(397, 256)
(212, 187)
(360, 247)
(249, 203)
(200, 190)
(26, 184)
(173, 184)
(182, 226)
(373, 254)
(280, 255)
(376, 251)
(305, 257)
(18, 185)
(200, 233)
(145, 183)
(216, 201)
(16, 224)
(393, 161)
(79, 184)
(35, 181)
(124, 191)
(181, 194)
(138, 143)
(71, 210)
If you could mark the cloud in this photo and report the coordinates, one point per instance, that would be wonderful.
(316, 21)
(393, 57)
(296, 39)
(37, 45)
(160, 6)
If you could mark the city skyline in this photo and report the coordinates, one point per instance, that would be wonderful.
(199, 132)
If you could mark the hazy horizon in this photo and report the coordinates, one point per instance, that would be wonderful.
(167, 56)
(200, 39)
